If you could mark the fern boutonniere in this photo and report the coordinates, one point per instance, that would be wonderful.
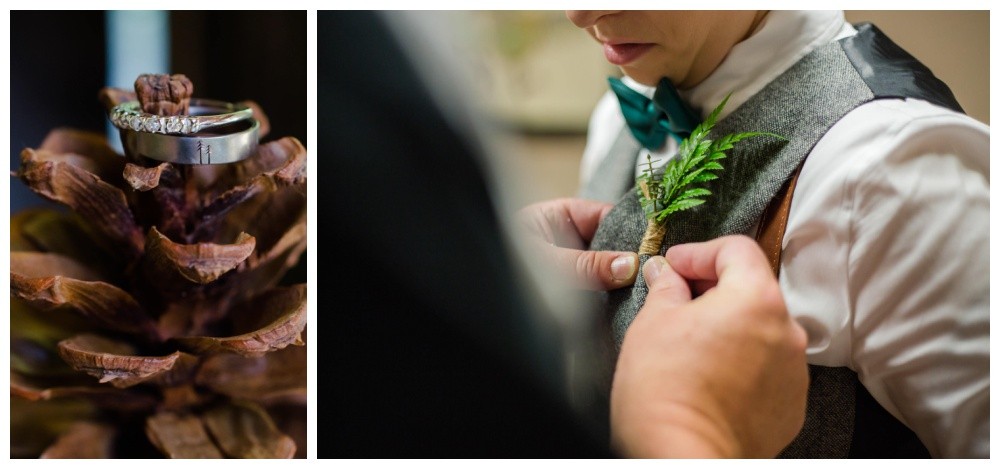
(678, 186)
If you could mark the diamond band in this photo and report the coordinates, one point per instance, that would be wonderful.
(142, 122)
(204, 114)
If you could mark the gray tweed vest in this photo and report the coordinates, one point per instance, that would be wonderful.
(842, 419)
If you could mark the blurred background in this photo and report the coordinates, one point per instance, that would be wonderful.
(542, 76)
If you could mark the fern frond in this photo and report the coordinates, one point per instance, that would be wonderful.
(697, 161)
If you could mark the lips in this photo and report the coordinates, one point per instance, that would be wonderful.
(621, 54)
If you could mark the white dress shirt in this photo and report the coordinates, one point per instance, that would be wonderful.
(885, 260)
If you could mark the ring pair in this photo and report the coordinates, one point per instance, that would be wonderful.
(215, 132)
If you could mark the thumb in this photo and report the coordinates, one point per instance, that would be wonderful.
(666, 287)
(598, 270)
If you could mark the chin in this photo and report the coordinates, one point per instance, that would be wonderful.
(645, 78)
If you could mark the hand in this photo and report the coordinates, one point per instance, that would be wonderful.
(722, 376)
(561, 229)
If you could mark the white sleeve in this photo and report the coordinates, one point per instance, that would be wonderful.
(918, 281)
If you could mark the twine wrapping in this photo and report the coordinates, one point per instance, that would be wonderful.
(652, 239)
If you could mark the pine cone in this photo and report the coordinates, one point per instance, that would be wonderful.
(152, 315)
(165, 95)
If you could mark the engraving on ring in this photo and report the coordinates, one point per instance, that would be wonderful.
(204, 151)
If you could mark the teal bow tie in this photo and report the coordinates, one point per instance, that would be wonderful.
(651, 120)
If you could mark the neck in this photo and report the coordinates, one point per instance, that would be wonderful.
(758, 18)
(713, 52)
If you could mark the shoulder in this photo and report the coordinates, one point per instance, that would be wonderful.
(905, 160)
(893, 139)
(890, 157)
(888, 132)
(892, 177)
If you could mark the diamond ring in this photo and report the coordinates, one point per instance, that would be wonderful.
(234, 142)
(205, 113)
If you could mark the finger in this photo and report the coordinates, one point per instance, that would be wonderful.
(740, 273)
(566, 222)
(800, 338)
(552, 223)
(699, 287)
(736, 258)
(596, 270)
(666, 287)
(586, 215)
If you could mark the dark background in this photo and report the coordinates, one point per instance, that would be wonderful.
(58, 66)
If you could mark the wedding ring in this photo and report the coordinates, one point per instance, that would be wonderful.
(223, 144)
(204, 114)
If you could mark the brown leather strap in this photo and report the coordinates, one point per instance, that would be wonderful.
(771, 229)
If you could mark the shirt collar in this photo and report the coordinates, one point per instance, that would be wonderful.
(782, 38)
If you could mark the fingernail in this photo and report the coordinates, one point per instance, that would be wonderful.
(623, 268)
(653, 268)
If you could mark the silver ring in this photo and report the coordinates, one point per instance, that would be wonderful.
(204, 114)
(229, 144)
